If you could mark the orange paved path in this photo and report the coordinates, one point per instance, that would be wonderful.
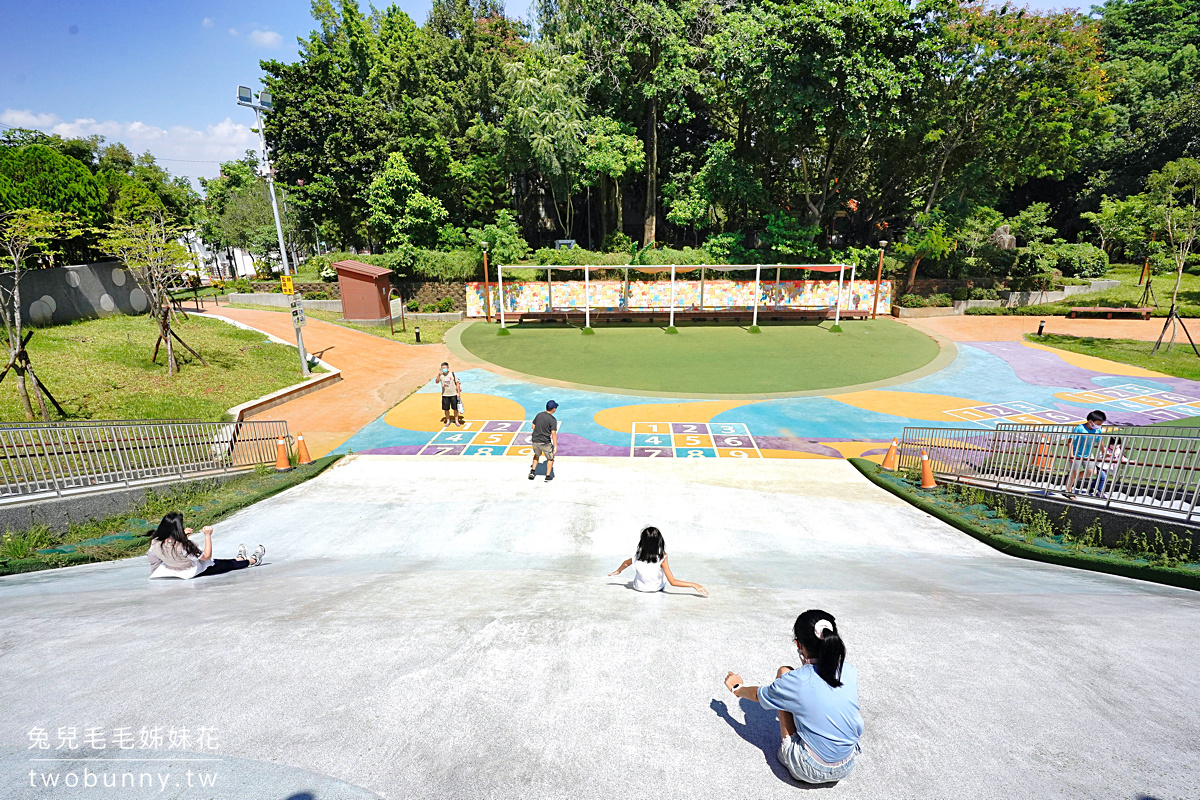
(376, 375)
(1006, 329)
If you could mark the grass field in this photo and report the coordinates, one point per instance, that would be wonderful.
(432, 331)
(1130, 294)
(1180, 361)
(720, 359)
(101, 369)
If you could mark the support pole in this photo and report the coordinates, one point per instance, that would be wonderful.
(487, 291)
(878, 279)
(837, 306)
(757, 277)
(672, 325)
(500, 290)
(587, 298)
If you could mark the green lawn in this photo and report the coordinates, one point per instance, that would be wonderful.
(101, 369)
(1180, 361)
(432, 331)
(723, 359)
(1130, 294)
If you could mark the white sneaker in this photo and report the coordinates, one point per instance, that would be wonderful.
(258, 554)
(242, 552)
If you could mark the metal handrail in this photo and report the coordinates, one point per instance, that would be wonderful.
(1122, 469)
(43, 460)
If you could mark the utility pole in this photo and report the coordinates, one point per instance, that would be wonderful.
(246, 98)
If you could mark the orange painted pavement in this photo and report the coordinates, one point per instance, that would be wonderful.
(1013, 329)
(376, 375)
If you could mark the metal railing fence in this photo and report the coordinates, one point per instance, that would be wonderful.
(1120, 469)
(54, 459)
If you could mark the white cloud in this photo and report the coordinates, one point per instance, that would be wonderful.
(233, 31)
(183, 150)
(207, 22)
(266, 38)
(27, 119)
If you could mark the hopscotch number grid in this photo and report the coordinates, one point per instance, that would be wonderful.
(483, 437)
(1157, 405)
(692, 440)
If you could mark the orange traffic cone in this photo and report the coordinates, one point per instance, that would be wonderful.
(1041, 459)
(282, 464)
(927, 481)
(302, 456)
(893, 454)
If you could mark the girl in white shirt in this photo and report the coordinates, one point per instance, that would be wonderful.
(173, 555)
(651, 571)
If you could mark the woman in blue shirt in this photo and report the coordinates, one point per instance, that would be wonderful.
(819, 720)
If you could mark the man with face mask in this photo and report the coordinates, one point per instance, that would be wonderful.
(451, 390)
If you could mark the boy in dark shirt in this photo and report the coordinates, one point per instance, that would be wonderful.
(544, 440)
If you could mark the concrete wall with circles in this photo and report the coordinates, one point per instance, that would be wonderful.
(89, 291)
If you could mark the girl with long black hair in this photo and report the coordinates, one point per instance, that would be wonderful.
(173, 555)
(819, 721)
(652, 573)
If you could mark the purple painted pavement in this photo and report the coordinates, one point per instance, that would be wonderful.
(572, 444)
(801, 445)
(1041, 368)
(399, 450)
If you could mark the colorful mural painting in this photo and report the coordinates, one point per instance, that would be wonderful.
(534, 296)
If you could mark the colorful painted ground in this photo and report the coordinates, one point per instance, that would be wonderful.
(986, 383)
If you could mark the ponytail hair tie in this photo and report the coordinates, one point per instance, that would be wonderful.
(821, 626)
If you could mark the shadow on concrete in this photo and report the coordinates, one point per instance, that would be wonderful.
(761, 729)
(302, 796)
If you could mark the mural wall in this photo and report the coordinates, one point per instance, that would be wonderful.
(718, 294)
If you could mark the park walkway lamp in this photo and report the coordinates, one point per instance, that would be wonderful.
(878, 277)
(487, 289)
(246, 98)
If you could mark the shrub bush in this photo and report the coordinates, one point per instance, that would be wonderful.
(577, 256)
(939, 301)
(455, 265)
(413, 305)
(1082, 260)
(617, 242)
(983, 294)
(428, 308)
(912, 301)
(993, 311)
(961, 293)
(446, 304)
(316, 296)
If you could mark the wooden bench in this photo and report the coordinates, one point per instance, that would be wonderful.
(765, 314)
(1108, 313)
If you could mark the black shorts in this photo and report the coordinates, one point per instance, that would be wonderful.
(450, 403)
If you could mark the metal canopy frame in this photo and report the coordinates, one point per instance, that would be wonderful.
(758, 268)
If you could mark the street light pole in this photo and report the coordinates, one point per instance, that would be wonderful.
(487, 290)
(878, 277)
(245, 98)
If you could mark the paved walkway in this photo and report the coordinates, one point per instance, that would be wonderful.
(376, 375)
(1013, 329)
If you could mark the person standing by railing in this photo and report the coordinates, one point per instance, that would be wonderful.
(1084, 439)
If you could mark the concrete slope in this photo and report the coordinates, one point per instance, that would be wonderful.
(434, 628)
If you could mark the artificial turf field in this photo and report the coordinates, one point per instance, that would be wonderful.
(716, 359)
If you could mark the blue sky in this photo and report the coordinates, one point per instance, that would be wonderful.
(158, 75)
